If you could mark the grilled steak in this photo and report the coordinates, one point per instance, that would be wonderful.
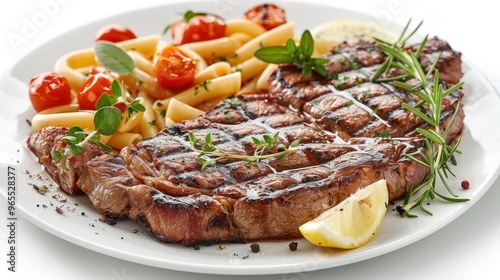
(64, 172)
(233, 201)
(352, 133)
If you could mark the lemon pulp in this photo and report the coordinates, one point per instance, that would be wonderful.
(333, 33)
(353, 222)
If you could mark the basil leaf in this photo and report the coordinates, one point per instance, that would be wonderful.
(105, 147)
(105, 100)
(290, 53)
(56, 155)
(107, 120)
(290, 46)
(274, 54)
(137, 106)
(114, 58)
(76, 149)
(116, 89)
(306, 44)
(189, 15)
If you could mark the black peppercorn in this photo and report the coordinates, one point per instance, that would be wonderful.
(255, 248)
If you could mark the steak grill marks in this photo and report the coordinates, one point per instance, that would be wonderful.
(159, 184)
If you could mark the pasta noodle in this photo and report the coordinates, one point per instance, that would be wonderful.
(222, 86)
(216, 48)
(250, 68)
(215, 70)
(262, 84)
(84, 120)
(120, 140)
(276, 36)
(68, 64)
(178, 111)
(239, 25)
(129, 123)
(148, 124)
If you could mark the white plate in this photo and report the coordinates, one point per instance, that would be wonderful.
(479, 164)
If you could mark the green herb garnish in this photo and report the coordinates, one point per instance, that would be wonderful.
(114, 58)
(437, 153)
(231, 102)
(300, 55)
(107, 119)
(210, 153)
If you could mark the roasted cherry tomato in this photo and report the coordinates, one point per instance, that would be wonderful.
(98, 70)
(196, 27)
(49, 90)
(114, 33)
(90, 91)
(268, 16)
(174, 69)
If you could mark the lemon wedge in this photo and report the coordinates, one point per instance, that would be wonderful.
(353, 222)
(333, 33)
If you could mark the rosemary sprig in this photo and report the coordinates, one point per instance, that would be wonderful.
(210, 153)
(437, 153)
(397, 47)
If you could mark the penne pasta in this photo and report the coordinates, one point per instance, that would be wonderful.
(211, 103)
(169, 122)
(250, 68)
(178, 111)
(276, 36)
(120, 140)
(241, 25)
(160, 119)
(214, 49)
(84, 120)
(68, 64)
(241, 37)
(148, 126)
(221, 86)
(213, 71)
(262, 84)
(141, 62)
(249, 87)
(129, 123)
(61, 109)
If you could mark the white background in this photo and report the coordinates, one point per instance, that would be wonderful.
(468, 248)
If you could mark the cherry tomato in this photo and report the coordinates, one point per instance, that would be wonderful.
(268, 16)
(90, 91)
(197, 27)
(120, 106)
(48, 90)
(114, 33)
(97, 70)
(174, 69)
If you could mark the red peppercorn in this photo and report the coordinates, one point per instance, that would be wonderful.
(465, 184)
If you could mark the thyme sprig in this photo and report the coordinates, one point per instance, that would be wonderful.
(438, 154)
(210, 153)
